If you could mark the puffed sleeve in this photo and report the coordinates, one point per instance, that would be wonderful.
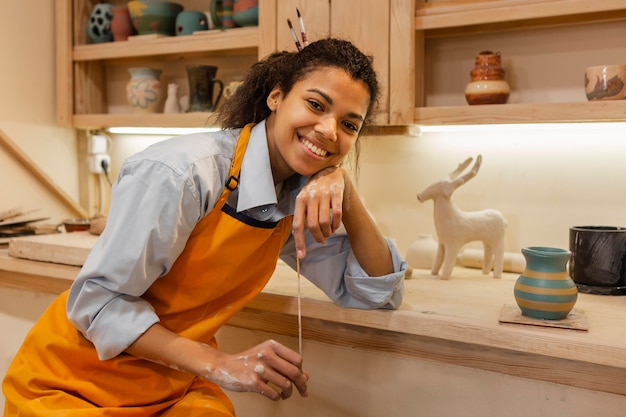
(154, 208)
(335, 270)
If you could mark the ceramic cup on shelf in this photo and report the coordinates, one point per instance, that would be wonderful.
(221, 12)
(190, 21)
(202, 96)
(598, 262)
(605, 82)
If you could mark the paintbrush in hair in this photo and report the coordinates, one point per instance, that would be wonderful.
(305, 40)
(294, 36)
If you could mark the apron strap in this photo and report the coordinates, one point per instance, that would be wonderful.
(235, 167)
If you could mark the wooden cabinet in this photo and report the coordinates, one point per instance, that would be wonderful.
(381, 28)
(546, 45)
(91, 78)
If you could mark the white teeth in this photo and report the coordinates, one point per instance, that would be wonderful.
(317, 151)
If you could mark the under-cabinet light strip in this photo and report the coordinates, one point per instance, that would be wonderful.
(166, 131)
(521, 127)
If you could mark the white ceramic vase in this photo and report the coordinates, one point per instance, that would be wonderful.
(421, 253)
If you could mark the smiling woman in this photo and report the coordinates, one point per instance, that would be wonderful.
(268, 185)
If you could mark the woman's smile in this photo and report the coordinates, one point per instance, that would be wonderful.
(317, 151)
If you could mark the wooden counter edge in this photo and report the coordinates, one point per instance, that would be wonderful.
(324, 322)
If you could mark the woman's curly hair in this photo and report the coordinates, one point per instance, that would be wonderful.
(284, 69)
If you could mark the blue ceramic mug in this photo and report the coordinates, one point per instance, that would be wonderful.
(190, 21)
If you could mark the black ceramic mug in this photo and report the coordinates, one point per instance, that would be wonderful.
(201, 82)
(598, 261)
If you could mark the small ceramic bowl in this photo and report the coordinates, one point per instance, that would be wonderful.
(154, 16)
(76, 225)
(605, 82)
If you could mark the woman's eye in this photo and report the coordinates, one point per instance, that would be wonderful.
(315, 105)
(351, 126)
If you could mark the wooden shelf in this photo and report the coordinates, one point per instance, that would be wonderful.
(101, 121)
(220, 41)
(436, 20)
(453, 15)
(599, 111)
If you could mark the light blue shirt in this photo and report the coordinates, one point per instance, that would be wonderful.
(159, 197)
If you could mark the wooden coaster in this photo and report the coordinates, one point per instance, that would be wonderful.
(575, 320)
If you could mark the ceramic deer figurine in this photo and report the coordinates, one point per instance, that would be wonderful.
(455, 227)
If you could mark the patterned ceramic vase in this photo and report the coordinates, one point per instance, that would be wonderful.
(488, 85)
(143, 91)
(545, 289)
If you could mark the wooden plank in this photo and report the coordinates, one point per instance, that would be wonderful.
(521, 364)
(600, 111)
(213, 40)
(267, 31)
(434, 15)
(63, 32)
(370, 31)
(402, 59)
(62, 248)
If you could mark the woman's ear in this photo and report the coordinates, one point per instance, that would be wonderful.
(273, 98)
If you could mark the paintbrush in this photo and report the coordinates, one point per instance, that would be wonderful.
(305, 40)
(294, 36)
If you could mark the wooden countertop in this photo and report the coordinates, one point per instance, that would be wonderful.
(453, 321)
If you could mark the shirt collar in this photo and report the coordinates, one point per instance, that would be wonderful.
(256, 183)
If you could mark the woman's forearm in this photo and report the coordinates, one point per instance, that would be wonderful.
(368, 243)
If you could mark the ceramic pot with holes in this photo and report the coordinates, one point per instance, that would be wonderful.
(99, 24)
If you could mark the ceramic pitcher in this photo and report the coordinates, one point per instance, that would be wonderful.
(202, 96)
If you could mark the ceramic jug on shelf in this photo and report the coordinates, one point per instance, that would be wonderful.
(488, 85)
(202, 96)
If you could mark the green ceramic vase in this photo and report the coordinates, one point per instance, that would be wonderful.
(545, 289)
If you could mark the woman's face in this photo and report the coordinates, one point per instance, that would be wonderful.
(316, 124)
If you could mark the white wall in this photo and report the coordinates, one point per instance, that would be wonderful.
(27, 111)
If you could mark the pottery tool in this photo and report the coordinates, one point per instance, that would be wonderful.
(294, 36)
(299, 309)
(305, 40)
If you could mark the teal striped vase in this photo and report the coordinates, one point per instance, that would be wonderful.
(545, 289)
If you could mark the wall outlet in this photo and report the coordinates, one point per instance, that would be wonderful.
(95, 163)
(98, 144)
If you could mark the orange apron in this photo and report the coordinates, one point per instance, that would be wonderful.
(227, 260)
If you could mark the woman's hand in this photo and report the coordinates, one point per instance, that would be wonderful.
(270, 369)
(319, 207)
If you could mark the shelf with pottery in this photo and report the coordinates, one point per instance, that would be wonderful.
(92, 76)
(568, 34)
(452, 321)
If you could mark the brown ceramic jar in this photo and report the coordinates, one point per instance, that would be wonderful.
(488, 85)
